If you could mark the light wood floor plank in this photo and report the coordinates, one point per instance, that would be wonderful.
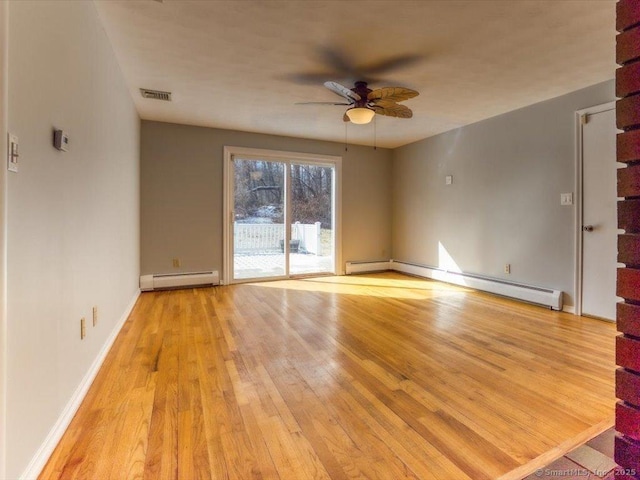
(376, 376)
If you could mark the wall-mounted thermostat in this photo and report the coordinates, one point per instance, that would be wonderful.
(61, 140)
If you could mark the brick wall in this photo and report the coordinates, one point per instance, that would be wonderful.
(627, 452)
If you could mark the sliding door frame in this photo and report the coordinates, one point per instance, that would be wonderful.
(288, 158)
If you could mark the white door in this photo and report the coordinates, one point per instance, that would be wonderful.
(599, 215)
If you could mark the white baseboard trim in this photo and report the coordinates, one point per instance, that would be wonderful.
(569, 309)
(41, 457)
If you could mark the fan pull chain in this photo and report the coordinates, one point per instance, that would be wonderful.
(346, 149)
(375, 123)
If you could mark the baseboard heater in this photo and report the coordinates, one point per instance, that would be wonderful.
(178, 280)
(363, 267)
(527, 293)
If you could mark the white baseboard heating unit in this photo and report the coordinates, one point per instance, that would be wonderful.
(363, 267)
(527, 293)
(541, 296)
(178, 280)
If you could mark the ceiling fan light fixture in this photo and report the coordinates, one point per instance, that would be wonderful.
(360, 115)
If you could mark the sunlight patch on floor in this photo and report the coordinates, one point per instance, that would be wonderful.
(417, 289)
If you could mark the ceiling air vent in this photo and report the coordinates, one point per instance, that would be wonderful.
(156, 94)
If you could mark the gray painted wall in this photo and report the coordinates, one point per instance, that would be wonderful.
(73, 218)
(504, 203)
(182, 188)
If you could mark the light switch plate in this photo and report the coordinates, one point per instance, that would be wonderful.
(448, 180)
(61, 140)
(566, 199)
(12, 153)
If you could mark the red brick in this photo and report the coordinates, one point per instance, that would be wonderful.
(628, 420)
(628, 319)
(629, 181)
(629, 216)
(628, 352)
(628, 283)
(628, 112)
(629, 249)
(627, 14)
(628, 80)
(628, 386)
(628, 46)
(628, 453)
(628, 146)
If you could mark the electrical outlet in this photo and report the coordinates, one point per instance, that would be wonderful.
(83, 328)
(95, 316)
(176, 263)
(507, 268)
(566, 199)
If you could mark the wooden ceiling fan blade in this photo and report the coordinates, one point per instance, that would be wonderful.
(393, 110)
(322, 103)
(391, 94)
(312, 78)
(342, 91)
(345, 117)
(337, 60)
(391, 64)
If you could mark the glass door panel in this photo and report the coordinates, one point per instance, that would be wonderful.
(312, 223)
(258, 219)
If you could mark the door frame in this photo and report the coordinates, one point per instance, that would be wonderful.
(288, 157)
(580, 116)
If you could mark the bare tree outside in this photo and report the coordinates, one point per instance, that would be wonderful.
(312, 190)
(259, 189)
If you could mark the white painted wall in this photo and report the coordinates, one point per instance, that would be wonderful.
(73, 218)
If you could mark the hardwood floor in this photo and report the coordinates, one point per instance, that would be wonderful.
(381, 376)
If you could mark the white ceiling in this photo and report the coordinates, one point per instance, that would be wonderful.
(229, 64)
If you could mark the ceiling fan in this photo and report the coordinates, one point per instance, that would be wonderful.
(364, 103)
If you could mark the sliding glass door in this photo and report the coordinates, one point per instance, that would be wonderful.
(282, 213)
(312, 245)
(258, 212)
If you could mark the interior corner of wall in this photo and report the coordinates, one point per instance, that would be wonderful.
(4, 121)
